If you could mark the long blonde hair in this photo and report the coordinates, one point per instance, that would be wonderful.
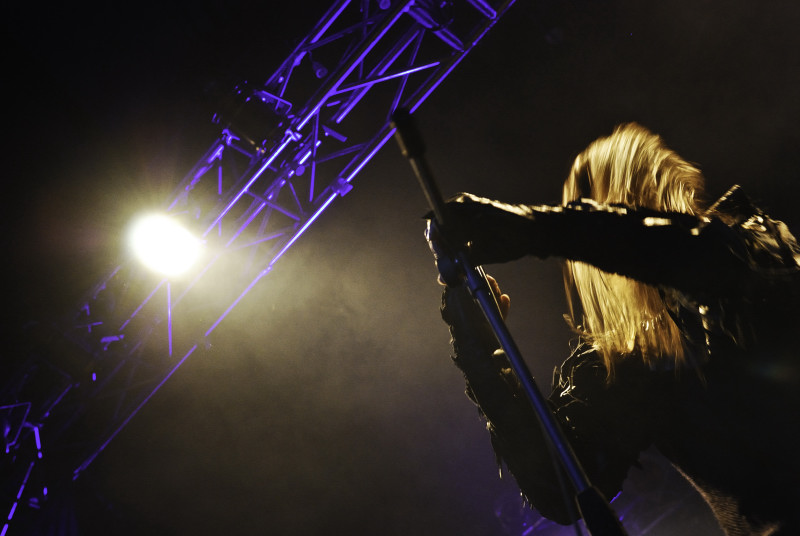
(621, 316)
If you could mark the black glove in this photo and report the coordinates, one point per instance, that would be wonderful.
(444, 255)
(497, 232)
(472, 335)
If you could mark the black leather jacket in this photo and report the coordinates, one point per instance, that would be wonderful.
(731, 281)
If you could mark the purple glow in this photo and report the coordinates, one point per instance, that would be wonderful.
(402, 87)
(302, 160)
(327, 25)
(435, 84)
(485, 9)
(457, 61)
(328, 131)
(302, 229)
(5, 529)
(230, 137)
(424, 18)
(370, 155)
(203, 170)
(106, 341)
(279, 208)
(136, 312)
(102, 286)
(57, 400)
(450, 38)
(37, 439)
(342, 113)
(382, 137)
(217, 149)
(260, 240)
(366, 49)
(10, 441)
(232, 204)
(237, 300)
(76, 473)
(504, 8)
(13, 509)
(255, 213)
(272, 262)
(389, 77)
(90, 326)
(22, 487)
(199, 275)
(249, 184)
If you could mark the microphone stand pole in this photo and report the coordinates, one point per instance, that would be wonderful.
(597, 514)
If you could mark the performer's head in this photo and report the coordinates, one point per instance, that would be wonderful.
(620, 316)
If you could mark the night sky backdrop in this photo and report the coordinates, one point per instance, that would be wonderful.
(328, 404)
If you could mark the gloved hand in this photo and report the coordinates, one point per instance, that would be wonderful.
(497, 232)
(473, 337)
(444, 256)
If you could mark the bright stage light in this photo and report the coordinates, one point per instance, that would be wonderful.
(163, 245)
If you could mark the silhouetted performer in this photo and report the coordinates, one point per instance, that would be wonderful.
(688, 325)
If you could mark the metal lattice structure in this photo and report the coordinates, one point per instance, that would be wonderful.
(287, 150)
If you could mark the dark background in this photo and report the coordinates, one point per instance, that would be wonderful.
(328, 403)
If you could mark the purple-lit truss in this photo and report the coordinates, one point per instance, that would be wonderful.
(286, 150)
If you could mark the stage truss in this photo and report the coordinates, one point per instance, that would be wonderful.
(287, 149)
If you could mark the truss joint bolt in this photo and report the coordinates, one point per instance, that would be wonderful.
(342, 187)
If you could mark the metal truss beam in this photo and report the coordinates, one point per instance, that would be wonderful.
(287, 149)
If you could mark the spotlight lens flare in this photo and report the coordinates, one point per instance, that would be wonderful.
(163, 245)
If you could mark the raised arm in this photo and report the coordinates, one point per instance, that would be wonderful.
(514, 429)
(595, 419)
(702, 257)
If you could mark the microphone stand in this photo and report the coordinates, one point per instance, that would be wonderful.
(597, 513)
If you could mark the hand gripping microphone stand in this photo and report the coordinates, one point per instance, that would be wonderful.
(597, 514)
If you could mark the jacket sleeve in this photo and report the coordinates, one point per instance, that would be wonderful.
(605, 446)
(702, 257)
